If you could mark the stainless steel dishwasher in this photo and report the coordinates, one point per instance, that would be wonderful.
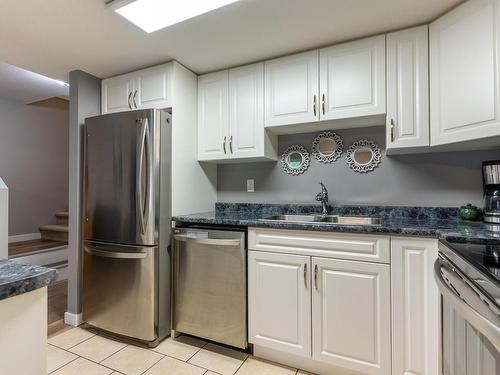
(210, 285)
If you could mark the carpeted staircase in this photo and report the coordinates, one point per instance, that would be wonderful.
(56, 232)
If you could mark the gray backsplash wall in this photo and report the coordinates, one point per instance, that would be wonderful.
(428, 179)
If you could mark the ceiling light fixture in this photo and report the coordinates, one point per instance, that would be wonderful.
(152, 15)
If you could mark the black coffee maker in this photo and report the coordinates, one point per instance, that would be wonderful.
(491, 180)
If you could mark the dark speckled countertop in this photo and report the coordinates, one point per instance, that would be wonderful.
(410, 221)
(18, 278)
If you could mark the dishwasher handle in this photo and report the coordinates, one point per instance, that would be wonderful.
(485, 326)
(208, 241)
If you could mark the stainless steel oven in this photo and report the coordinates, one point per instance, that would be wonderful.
(470, 309)
(210, 287)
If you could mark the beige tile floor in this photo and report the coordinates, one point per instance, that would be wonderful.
(79, 352)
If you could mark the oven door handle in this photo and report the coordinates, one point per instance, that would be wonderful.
(489, 329)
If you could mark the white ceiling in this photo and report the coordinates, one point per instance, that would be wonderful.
(57, 36)
(27, 87)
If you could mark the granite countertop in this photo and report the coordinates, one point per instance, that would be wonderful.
(18, 278)
(409, 221)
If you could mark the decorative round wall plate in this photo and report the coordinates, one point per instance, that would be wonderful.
(363, 156)
(295, 160)
(327, 147)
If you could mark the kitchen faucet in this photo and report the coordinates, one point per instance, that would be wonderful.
(322, 197)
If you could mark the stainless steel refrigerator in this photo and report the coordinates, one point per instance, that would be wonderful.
(126, 219)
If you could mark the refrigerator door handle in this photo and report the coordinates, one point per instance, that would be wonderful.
(102, 251)
(141, 196)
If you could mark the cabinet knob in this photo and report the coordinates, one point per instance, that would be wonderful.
(224, 145)
(323, 100)
(314, 105)
(231, 144)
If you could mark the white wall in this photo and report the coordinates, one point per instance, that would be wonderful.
(4, 220)
(34, 161)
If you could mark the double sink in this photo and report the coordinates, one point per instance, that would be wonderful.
(324, 219)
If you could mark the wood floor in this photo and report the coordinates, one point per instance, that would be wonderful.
(17, 249)
(57, 300)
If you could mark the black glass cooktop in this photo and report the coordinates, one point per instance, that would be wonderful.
(484, 256)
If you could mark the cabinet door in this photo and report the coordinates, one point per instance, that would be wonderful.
(408, 88)
(117, 94)
(351, 315)
(291, 89)
(213, 116)
(152, 88)
(415, 307)
(352, 81)
(464, 50)
(279, 302)
(246, 111)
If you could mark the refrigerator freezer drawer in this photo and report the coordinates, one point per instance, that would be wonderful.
(210, 285)
(119, 289)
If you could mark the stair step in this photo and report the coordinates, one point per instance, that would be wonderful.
(54, 232)
(62, 218)
(32, 247)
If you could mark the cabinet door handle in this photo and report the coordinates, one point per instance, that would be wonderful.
(392, 130)
(314, 105)
(231, 144)
(316, 276)
(135, 95)
(323, 103)
(305, 274)
(224, 145)
(128, 100)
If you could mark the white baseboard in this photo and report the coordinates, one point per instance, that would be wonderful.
(73, 319)
(25, 237)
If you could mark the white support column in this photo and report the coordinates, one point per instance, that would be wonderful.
(4, 220)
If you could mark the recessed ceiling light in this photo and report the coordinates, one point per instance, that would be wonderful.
(152, 15)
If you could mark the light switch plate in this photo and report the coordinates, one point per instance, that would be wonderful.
(250, 186)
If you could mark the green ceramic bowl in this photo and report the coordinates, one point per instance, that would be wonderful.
(469, 212)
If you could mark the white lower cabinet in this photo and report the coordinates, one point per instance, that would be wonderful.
(279, 299)
(351, 315)
(312, 305)
(415, 307)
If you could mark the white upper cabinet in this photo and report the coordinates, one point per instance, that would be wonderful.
(147, 88)
(291, 89)
(246, 111)
(117, 94)
(352, 79)
(231, 116)
(408, 88)
(415, 307)
(279, 302)
(213, 116)
(153, 87)
(351, 315)
(464, 73)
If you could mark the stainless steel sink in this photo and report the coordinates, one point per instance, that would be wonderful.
(351, 220)
(294, 218)
(328, 219)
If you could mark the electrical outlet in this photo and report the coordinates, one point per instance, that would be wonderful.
(250, 186)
